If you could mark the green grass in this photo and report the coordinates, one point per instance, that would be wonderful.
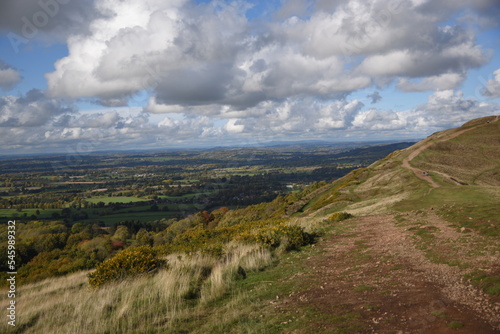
(439, 314)
(118, 199)
(455, 325)
(175, 198)
(44, 213)
(489, 284)
(445, 195)
(363, 287)
(480, 216)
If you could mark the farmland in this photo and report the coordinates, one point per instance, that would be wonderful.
(112, 188)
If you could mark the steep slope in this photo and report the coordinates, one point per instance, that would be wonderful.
(466, 156)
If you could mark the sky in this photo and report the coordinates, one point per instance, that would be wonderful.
(86, 75)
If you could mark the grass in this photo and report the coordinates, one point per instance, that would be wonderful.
(489, 283)
(480, 216)
(44, 213)
(363, 287)
(455, 325)
(117, 199)
(470, 158)
(197, 294)
(439, 314)
(446, 195)
(174, 300)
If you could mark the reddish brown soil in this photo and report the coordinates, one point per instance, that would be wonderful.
(373, 278)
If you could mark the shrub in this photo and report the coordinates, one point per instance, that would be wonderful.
(339, 216)
(127, 263)
(274, 236)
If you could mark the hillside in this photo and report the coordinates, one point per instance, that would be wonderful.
(421, 254)
(468, 155)
(424, 253)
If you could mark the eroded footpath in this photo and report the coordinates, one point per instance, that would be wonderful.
(396, 274)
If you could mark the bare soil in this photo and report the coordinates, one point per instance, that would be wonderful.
(375, 277)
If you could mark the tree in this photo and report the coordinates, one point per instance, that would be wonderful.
(122, 233)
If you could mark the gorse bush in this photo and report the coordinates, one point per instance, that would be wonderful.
(127, 263)
(339, 216)
(275, 236)
(212, 242)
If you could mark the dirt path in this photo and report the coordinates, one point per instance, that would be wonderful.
(420, 173)
(375, 276)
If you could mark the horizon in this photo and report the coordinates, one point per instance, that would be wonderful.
(266, 145)
(154, 75)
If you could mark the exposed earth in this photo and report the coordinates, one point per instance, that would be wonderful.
(400, 272)
(375, 277)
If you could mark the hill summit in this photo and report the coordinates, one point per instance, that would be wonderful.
(431, 172)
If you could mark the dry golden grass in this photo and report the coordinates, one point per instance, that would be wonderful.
(148, 304)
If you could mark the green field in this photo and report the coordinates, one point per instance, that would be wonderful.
(136, 216)
(44, 214)
(118, 199)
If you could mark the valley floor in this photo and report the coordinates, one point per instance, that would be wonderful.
(396, 274)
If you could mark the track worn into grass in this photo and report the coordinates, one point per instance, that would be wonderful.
(420, 173)
(376, 277)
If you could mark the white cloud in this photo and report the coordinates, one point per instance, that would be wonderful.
(380, 120)
(443, 110)
(207, 73)
(492, 88)
(9, 77)
(209, 54)
(30, 110)
(445, 81)
(232, 127)
(296, 118)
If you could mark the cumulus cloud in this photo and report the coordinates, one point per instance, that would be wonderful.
(296, 118)
(190, 55)
(492, 88)
(156, 45)
(9, 77)
(447, 109)
(34, 122)
(232, 126)
(49, 20)
(208, 71)
(445, 81)
(378, 120)
(443, 110)
(30, 110)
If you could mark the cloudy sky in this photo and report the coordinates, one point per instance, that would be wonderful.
(84, 75)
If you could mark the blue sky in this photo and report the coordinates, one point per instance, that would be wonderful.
(132, 74)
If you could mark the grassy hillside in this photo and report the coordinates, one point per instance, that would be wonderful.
(466, 156)
(421, 254)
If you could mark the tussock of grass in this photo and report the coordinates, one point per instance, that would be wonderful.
(455, 325)
(489, 283)
(147, 304)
